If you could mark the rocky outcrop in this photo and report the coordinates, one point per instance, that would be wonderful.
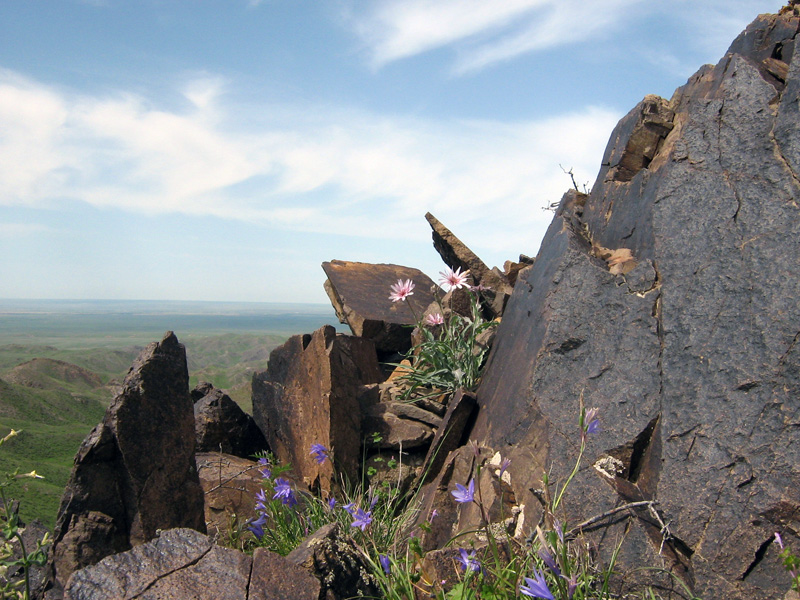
(135, 472)
(457, 256)
(182, 564)
(360, 292)
(222, 426)
(691, 351)
(309, 395)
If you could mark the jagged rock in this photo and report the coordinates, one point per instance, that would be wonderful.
(309, 395)
(692, 357)
(200, 390)
(455, 254)
(450, 435)
(135, 472)
(230, 485)
(512, 269)
(407, 410)
(222, 426)
(360, 292)
(394, 432)
(336, 563)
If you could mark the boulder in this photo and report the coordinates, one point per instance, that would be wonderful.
(230, 485)
(360, 292)
(222, 426)
(182, 564)
(692, 355)
(309, 395)
(179, 564)
(456, 254)
(135, 473)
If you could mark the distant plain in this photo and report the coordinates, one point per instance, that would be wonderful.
(61, 363)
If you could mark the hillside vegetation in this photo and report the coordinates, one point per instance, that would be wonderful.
(55, 395)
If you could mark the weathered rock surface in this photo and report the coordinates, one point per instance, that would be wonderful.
(692, 357)
(460, 414)
(135, 472)
(360, 292)
(335, 561)
(182, 564)
(230, 485)
(222, 426)
(456, 254)
(393, 431)
(309, 395)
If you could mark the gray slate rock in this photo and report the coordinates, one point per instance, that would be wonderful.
(694, 361)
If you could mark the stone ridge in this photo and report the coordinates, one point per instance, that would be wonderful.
(692, 356)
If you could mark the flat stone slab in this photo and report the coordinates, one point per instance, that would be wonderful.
(359, 292)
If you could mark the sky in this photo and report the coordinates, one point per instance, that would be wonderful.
(221, 150)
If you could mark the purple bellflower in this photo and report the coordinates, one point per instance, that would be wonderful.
(283, 490)
(536, 587)
(468, 561)
(385, 563)
(362, 519)
(319, 452)
(463, 494)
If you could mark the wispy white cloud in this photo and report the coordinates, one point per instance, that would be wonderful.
(317, 169)
(482, 32)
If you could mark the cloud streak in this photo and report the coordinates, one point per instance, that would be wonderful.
(483, 33)
(318, 169)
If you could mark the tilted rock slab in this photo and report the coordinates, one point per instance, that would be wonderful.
(135, 472)
(458, 256)
(693, 355)
(359, 293)
(309, 395)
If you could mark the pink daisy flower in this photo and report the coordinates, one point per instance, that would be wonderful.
(434, 319)
(401, 290)
(454, 279)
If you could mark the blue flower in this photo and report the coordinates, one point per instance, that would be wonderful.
(331, 503)
(591, 422)
(464, 494)
(257, 526)
(266, 472)
(468, 561)
(362, 519)
(350, 507)
(387, 566)
(536, 587)
(548, 559)
(319, 452)
(283, 490)
(261, 501)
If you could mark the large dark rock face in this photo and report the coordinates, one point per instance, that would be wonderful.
(135, 472)
(693, 354)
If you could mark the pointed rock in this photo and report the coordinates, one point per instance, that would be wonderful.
(456, 255)
(135, 472)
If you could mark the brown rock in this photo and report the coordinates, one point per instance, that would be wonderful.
(230, 485)
(360, 292)
(135, 472)
(179, 564)
(455, 254)
(394, 433)
(222, 426)
(450, 435)
(277, 578)
(309, 395)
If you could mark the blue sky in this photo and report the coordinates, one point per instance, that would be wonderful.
(223, 149)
